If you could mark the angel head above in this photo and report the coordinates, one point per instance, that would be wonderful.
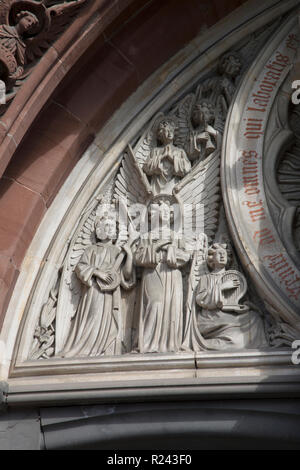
(230, 64)
(166, 131)
(218, 257)
(27, 23)
(203, 113)
(106, 226)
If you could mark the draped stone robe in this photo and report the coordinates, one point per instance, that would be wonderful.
(11, 45)
(97, 326)
(225, 330)
(161, 301)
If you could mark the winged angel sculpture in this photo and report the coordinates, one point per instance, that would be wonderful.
(27, 29)
(157, 279)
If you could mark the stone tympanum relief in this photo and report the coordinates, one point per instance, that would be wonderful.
(151, 267)
(27, 29)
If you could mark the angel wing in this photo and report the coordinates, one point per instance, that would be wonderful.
(192, 339)
(183, 114)
(60, 17)
(220, 115)
(70, 287)
(200, 191)
(131, 188)
(148, 140)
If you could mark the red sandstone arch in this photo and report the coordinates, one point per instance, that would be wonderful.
(110, 49)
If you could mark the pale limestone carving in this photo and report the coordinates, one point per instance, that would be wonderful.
(216, 319)
(161, 255)
(44, 335)
(96, 328)
(184, 298)
(167, 164)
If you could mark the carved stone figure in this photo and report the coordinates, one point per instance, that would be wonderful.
(204, 138)
(12, 45)
(168, 163)
(222, 85)
(27, 28)
(97, 326)
(162, 255)
(221, 322)
(185, 297)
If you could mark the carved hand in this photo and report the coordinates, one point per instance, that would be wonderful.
(105, 277)
(127, 249)
(231, 284)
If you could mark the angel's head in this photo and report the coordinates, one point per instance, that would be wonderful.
(230, 64)
(106, 225)
(166, 131)
(218, 256)
(28, 23)
(161, 213)
(203, 113)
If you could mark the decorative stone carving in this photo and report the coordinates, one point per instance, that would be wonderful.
(162, 255)
(288, 177)
(27, 29)
(259, 213)
(216, 319)
(96, 328)
(169, 245)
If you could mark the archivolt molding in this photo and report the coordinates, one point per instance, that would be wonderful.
(253, 142)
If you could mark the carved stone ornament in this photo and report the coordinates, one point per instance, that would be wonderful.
(261, 191)
(27, 29)
(168, 254)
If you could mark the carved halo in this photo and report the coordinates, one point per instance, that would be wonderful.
(38, 9)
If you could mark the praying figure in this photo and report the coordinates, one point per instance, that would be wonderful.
(166, 164)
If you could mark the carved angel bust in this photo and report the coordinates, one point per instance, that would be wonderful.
(204, 137)
(166, 164)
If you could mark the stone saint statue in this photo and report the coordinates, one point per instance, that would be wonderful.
(97, 327)
(166, 164)
(161, 255)
(12, 46)
(27, 30)
(222, 321)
